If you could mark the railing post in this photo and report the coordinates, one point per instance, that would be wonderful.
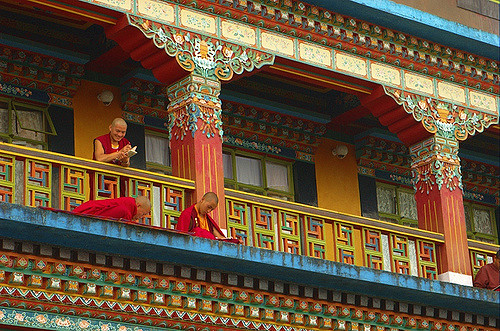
(439, 196)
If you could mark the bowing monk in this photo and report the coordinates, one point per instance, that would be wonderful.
(126, 208)
(195, 219)
(113, 147)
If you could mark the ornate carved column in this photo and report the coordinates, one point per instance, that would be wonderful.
(196, 136)
(439, 196)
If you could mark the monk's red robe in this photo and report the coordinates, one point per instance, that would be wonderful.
(188, 222)
(487, 277)
(108, 148)
(112, 208)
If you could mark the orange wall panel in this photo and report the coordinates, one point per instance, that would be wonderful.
(92, 118)
(337, 179)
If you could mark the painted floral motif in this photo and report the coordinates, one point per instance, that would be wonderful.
(447, 120)
(205, 56)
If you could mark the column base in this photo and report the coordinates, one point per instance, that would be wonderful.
(456, 278)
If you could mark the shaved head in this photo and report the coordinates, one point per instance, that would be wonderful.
(211, 196)
(143, 206)
(119, 121)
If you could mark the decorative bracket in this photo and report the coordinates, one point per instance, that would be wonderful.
(445, 119)
(205, 56)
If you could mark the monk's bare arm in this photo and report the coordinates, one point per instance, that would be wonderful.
(101, 156)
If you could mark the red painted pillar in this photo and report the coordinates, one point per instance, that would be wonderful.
(439, 196)
(196, 137)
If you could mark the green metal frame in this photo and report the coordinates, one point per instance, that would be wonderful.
(12, 108)
(472, 234)
(263, 190)
(397, 217)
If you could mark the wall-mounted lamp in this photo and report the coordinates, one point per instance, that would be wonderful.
(106, 97)
(340, 151)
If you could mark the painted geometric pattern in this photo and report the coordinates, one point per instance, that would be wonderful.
(478, 259)
(264, 227)
(106, 186)
(344, 243)
(399, 254)
(74, 187)
(315, 245)
(173, 201)
(427, 265)
(140, 187)
(373, 249)
(62, 295)
(7, 180)
(289, 232)
(38, 181)
(238, 220)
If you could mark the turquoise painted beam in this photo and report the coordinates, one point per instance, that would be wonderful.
(42, 226)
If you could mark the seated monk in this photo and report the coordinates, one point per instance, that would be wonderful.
(113, 147)
(195, 219)
(126, 208)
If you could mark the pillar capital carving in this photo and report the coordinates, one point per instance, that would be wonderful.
(195, 105)
(435, 163)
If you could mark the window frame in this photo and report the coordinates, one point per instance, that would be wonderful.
(152, 166)
(397, 217)
(264, 190)
(472, 234)
(14, 120)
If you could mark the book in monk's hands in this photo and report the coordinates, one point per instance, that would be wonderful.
(132, 151)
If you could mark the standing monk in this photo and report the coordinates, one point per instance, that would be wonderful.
(129, 209)
(113, 147)
(195, 219)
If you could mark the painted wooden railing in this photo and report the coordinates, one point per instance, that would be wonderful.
(39, 178)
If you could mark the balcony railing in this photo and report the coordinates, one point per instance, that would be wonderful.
(39, 178)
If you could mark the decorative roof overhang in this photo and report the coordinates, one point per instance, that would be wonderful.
(449, 91)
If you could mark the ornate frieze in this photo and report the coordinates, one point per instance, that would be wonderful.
(323, 27)
(38, 77)
(144, 98)
(39, 291)
(435, 163)
(194, 105)
(205, 56)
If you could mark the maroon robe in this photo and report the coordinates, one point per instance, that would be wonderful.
(188, 222)
(125, 208)
(487, 277)
(106, 145)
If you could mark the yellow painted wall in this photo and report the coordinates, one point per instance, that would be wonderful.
(337, 179)
(92, 118)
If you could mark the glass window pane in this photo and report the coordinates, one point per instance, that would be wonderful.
(277, 176)
(228, 165)
(407, 205)
(385, 200)
(32, 119)
(482, 221)
(248, 171)
(157, 150)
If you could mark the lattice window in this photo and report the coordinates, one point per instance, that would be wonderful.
(137, 188)
(173, 201)
(264, 221)
(106, 186)
(399, 254)
(344, 243)
(478, 260)
(7, 179)
(315, 237)
(238, 220)
(289, 232)
(74, 187)
(426, 256)
(373, 249)
(38, 183)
